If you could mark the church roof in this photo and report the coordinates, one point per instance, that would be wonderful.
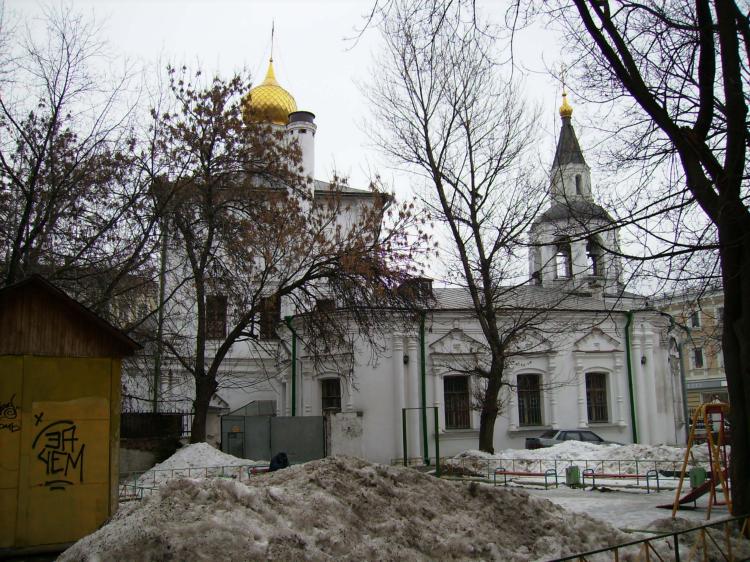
(568, 150)
(324, 187)
(578, 209)
(536, 296)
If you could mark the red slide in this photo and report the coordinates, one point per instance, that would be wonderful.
(691, 496)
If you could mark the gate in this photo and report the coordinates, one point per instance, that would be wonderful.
(261, 437)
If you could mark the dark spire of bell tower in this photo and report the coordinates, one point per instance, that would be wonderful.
(568, 150)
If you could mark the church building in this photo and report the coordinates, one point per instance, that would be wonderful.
(600, 362)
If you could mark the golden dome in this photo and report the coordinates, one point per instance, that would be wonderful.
(268, 101)
(566, 110)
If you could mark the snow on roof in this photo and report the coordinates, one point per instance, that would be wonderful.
(324, 187)
(342, 508)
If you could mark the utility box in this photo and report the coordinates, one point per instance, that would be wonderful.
(59, 418)
(573, 476)
(697, 476)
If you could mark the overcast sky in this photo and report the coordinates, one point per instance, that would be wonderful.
(314, 57)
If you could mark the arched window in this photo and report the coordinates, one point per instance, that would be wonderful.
(596, 397)
(594, 253)
(563, 260)
(330, 392)
(216, 317)
(457, 405)
(529, 399)
(579, 185)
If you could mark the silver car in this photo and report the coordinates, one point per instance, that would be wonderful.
(554, 436)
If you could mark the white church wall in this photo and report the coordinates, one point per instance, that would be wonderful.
(347, 429)
(563, 396)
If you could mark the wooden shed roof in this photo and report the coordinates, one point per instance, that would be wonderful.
(37, 318)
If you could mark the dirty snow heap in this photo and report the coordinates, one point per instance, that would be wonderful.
(343, 508)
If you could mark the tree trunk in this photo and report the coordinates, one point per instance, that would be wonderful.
(487, 430)
(490, 410)
(205, 387)
(736, 348)
(735, 261)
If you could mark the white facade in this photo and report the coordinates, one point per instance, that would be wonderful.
(395, 382)
(600, 362)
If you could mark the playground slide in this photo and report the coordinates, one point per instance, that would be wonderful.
(691, 496)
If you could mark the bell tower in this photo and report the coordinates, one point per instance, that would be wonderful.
(574, 243)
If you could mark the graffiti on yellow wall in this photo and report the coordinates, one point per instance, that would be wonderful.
(60, 451)
(9, 416)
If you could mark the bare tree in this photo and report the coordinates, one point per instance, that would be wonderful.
(449, 118)
(246, 237)
(682, 70)
(72, 205)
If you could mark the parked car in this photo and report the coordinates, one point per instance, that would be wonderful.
(701, 435)
(554, 436)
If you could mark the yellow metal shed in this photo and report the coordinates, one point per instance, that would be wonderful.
(59, 417)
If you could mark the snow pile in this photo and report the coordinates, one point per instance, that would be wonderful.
(342, 508)
(655, 453)
(618, 459)
(716, 543)
(198, 460)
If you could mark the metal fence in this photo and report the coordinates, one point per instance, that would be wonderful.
(721, 540)
(136, 485)
(633, 471)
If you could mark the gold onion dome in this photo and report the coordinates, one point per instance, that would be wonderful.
(268, 101)
(566, 110)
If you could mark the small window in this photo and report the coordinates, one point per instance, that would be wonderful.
(331, 395)
(579, 187)
(270, 316)
(594, 253)
(563, 261)
(596, 397)
(695, 319)
(143, 310)
(456, 394)
(719, 315)
(325, 306)
(698, 357)
(529, 400)
(416, 288)
(216, 317)
(303, 131)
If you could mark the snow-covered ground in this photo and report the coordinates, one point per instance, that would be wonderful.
(626, 503)
(621, 459)
(346, 508)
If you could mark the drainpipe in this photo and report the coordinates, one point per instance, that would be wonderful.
(288, 322)
(423, 376)
(160, 321)
(628, 355)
